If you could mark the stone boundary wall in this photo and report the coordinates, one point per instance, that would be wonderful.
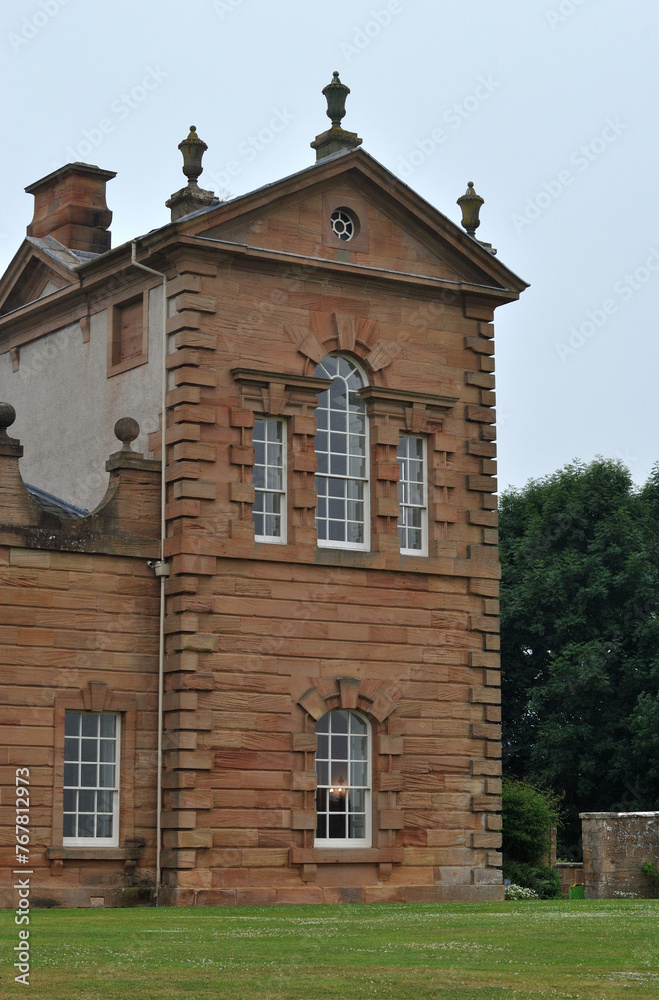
(615, 846)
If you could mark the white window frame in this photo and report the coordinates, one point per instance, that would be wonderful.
(276, 539)
(330, 543)
(367, 840)
(112, 841)
(423, 551)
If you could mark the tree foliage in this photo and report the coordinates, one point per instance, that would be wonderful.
(580, 637)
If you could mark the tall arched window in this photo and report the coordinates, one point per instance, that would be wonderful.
(343, 796)
(342, 514)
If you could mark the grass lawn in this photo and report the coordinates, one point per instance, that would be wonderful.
(488, 951)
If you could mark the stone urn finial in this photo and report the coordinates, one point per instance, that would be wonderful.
(191, 197)
(470, 203)
(336, 93)
(193, 149)
(335, 139)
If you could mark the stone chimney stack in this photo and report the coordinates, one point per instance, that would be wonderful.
(70, 205)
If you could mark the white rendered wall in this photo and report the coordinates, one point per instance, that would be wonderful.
(66, 406)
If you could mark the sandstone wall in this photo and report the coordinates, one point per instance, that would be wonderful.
(615, 846)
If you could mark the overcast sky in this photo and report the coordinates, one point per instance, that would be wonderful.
(549, 106)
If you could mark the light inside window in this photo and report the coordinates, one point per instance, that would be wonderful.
(342, 770)
(269, 510)
(341, 450)
(412, 522)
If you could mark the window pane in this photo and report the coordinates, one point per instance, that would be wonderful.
(104, 802)
(356, 826)
(339, 773)
(70, 797)
(104, 826)
(107, 751)
(85, 825)
(72, 723)
(336, 531)
(90, 724)
(338, 421)
(274, 480)
(88, 774)
(358, 773)
(86, 801)
(358, 747)
(337, 826)
(69, 827)
(108, 725)
(357, 467)
(357, 418)
(355, 532)
(336, 798)
(71, 775)
(89, 749)
(272, 526)
(415, 495)
(338, 442)
(338, 464)
(322, 771)
(321, 829)
(106, 776)
(71, 749)
(339, 721)
(357, 800)
(322, 746)
(357, 724)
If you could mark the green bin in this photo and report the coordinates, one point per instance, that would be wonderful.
(576, 892)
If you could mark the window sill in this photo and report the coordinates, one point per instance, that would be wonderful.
(93, 853)
(127, 364)
(344, 855)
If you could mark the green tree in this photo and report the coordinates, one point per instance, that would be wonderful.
(580, 637)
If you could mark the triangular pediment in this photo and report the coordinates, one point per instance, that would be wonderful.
(39, 268)
(393, 228)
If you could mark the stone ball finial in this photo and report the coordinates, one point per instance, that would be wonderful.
(126, 430)
(7, 415)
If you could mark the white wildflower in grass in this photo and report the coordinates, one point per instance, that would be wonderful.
(520, 892)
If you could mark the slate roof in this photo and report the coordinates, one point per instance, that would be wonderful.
(54, 505)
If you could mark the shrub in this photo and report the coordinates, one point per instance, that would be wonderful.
(519, 892)
(544, 882)
(528, 813)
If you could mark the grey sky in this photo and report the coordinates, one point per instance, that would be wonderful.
(549, 106)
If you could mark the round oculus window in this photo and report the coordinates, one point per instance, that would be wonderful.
(344, 224)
